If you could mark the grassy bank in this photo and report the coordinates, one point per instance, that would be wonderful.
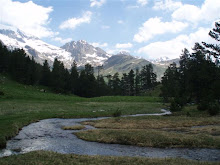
(20, 105)
(157, 131)
(51, 158)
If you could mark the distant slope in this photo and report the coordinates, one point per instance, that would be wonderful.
(123, 63)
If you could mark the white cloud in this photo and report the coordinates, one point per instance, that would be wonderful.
(174, 47)
(123, 46)
(120, 22)
(169, 5)
(105, 27)
(97, 3)
(154, 26)
(208, 12)
(61, 40)
(29, 17)
(142, 2)
(97, 44)
(72, 23)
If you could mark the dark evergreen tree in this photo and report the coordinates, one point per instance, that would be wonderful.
(137, 82)
(87, 82)
(18, 65)
(103, 89)
(74, 76)
(124, 85)
(57, 76)
(4, 58)
(45, 74)
(116, 84)
(215, 48)
(170, 82)
(148, 77)
(131, 82)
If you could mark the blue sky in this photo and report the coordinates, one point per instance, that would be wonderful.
(145, 28)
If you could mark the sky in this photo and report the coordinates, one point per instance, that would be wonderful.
(144, 28)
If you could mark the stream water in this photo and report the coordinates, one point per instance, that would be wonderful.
(48, 135)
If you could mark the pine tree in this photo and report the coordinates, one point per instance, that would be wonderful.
(137, 82)
(215, 48)
(57, 76)
(131, 82)
(74, 76)
(148, 77)
(124, 85)
(4, 58)
(45, 74)
(170, 82)
(87, 82)
(116, 84)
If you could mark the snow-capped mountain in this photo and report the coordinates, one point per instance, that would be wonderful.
(15, 38)
(165, 61)
(160, 59)
(84, 53)
(80, 51)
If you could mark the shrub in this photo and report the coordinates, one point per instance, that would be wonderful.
(175, 106)
(213, 108)
(1, 93)
(117, 113)
(203, 106)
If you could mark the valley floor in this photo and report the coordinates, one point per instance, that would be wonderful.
(21, 105)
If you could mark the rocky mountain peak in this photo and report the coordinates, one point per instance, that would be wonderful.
(84, 53)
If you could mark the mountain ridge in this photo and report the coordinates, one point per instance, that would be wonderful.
(79, 51)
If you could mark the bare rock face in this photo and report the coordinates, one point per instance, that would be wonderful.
(84, 53)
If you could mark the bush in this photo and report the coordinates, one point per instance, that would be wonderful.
(117, 113)
(203, 106)
(213, 108)
(175, 106)
(1, 93)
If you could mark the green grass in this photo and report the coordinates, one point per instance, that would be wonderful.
(51, 158)
(22, 105)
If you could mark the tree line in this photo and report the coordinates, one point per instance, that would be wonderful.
(82, 82)
(197, 79)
